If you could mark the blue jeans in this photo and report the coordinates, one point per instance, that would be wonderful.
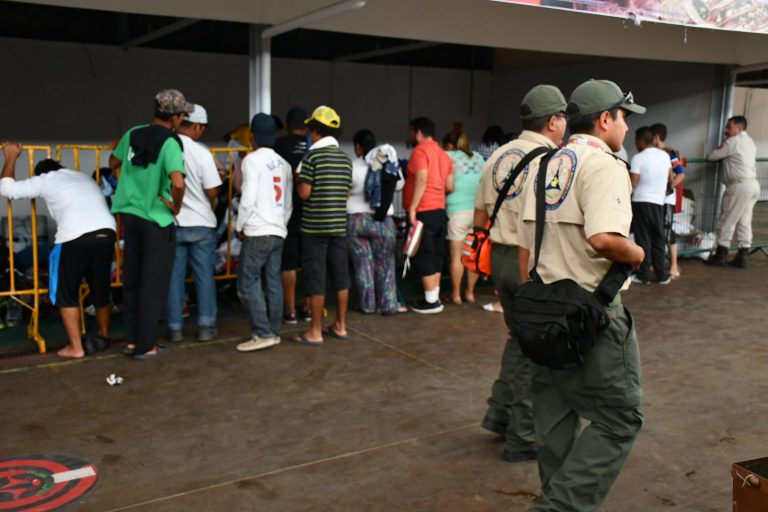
(194, 246)
(261, 255)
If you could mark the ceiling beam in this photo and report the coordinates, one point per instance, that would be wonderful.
(392, 50)
(160, 32)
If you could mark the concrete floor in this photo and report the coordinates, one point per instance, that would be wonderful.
(388, 420)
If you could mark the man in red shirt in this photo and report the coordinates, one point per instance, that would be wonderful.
(429, 179)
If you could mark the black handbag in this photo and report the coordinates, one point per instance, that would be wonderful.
(556, 324)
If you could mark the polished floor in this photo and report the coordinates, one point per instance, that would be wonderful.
(389, 419)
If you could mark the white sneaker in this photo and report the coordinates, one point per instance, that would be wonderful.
(257, 343)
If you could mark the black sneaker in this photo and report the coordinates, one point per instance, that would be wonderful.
(427, 308)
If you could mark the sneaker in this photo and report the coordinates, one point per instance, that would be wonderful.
(427, 308)
(305, 315)
(185, 311)
(257, 343)
(290, 318)
(207, 333)
(637, 280)
(175, 336)
(666, 281)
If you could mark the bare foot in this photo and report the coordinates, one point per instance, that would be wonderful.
(674, 272)
(70, 352)
(469, 298)
(454, 300)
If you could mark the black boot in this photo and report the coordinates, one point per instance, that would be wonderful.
(740, 261)
(718, 258)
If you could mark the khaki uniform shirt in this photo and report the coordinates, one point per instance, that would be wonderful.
(739, 156)
(495, 172)
(587, 192)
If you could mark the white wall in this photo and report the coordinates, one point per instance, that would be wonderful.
(753, 104)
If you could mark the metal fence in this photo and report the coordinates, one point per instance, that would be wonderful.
(703, 192)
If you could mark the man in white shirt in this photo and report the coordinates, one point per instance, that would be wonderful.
(742, 190)
(650, 173)
(85, 239)
(262, 220)
(195, 232)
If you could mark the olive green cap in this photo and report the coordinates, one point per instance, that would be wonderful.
(595, 96)
(541, 101)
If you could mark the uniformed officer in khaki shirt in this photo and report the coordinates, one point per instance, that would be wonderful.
(510, 414)
(588, 214)
(742, 190)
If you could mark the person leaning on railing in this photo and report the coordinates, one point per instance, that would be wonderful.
(85, 239)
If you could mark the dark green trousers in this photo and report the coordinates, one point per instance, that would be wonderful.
(578, 469)
(510, 401)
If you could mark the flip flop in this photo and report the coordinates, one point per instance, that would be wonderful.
(333, 334)
(302, 340)
(146, 356)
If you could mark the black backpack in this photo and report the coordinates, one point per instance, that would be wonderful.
(556, 324)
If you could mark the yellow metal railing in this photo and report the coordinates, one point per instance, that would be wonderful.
(33, 330)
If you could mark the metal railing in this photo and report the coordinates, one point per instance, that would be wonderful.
(14, 294)
(703, 192)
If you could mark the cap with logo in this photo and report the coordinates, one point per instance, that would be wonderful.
(171, 101)
(325, 115)
(595, 96)
(542, 100)
(198, 115)
(263, 129)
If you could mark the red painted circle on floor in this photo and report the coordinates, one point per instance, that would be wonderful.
(43, 483)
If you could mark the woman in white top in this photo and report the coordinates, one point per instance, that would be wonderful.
(371, 231)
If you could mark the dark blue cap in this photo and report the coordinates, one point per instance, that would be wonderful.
(263, 129)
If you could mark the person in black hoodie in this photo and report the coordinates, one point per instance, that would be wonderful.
(148, 197)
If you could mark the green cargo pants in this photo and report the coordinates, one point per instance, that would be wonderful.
(578, 469)
(510, 401)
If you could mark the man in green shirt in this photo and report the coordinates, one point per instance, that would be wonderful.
(149, 192)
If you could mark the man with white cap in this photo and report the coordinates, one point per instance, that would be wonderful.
(148, 197)
(586, 219)
(195, 232)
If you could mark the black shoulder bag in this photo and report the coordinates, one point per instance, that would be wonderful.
(557, 324)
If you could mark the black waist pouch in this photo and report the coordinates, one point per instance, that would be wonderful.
(556, 324)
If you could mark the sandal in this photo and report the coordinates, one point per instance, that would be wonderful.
(302, 340)
(333, 334)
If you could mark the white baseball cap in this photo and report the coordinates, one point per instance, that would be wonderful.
(198, 115)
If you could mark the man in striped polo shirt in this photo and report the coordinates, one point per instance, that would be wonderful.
(325, 177)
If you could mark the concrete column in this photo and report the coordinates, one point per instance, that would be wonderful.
(259, 72)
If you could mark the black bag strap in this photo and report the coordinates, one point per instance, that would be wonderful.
(618, 273)
(512, 176)
(541, 183)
